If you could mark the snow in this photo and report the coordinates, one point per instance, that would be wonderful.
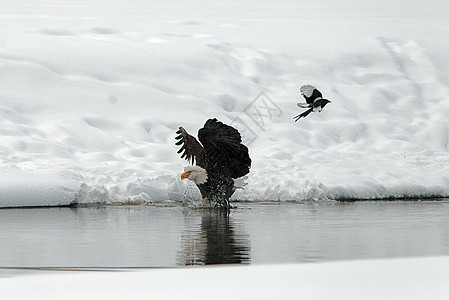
(411, 278)
(91, 94)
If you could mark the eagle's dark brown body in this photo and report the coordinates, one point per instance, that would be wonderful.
(221, 153)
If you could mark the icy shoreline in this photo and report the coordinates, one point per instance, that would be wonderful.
(411, 278)
(37, 188)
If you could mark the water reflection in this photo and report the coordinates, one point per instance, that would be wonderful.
(123, 236)
(212, 237)
(169, 236)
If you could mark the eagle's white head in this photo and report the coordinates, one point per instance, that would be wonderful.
(195, 173)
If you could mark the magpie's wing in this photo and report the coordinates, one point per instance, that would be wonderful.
(191, 147)
(310, 93)
(303, 105)
(224, 149)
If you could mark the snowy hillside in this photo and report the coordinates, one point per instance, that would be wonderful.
(91, 95)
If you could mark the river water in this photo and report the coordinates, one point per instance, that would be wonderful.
(253, 233)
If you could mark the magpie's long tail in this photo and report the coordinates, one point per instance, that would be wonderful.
(303, 115)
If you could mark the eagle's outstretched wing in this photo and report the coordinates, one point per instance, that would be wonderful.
(224, 149)
(191, 147)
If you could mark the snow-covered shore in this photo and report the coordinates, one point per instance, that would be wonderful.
(91, 94)
(411, 278)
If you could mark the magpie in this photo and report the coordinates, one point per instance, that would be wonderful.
(314, 101)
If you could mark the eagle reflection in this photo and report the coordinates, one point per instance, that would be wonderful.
(211, 237)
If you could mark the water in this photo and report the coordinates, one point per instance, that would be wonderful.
(166, 236)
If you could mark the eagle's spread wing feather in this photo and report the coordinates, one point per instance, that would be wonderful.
(191, 147)
(224, 150)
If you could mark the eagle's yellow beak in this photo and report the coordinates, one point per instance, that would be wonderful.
(185, 175)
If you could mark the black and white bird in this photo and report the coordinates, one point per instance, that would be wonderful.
(314, 101)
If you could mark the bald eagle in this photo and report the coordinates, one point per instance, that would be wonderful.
(220, 158)
(314, 101)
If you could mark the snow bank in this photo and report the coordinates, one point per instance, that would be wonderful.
(28, 188)
(98, 95)
(412, 278)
